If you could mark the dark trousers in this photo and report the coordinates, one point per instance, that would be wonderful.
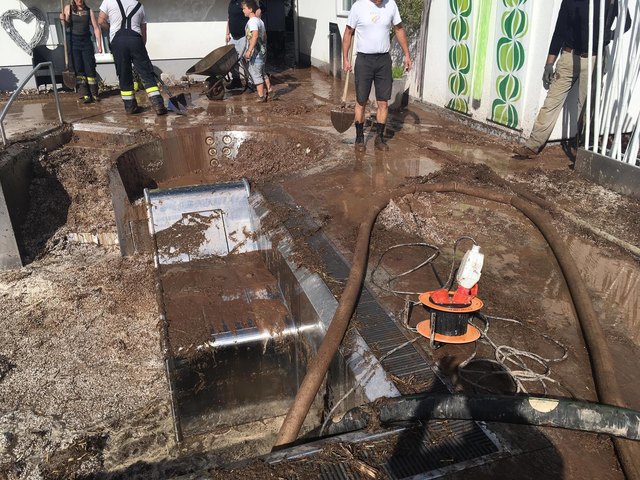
(84, 61)
(127, 48)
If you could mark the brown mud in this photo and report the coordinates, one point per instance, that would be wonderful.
(218, 295)
(82, 386)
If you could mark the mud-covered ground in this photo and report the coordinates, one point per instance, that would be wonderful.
(82, 387)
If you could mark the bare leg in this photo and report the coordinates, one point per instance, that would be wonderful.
(360, 107)
(383, 111)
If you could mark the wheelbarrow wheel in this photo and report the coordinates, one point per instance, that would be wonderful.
(214, 88)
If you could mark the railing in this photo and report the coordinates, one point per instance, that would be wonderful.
(48, 65)
(615, 111)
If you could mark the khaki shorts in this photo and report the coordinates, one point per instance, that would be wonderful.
(256, 69)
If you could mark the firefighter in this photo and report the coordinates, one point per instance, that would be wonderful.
(127, 26)
(81, 19)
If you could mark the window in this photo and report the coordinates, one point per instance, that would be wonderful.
(344, 6)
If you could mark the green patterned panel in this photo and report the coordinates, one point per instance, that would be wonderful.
(505, 114)
(510, 56)
(459, 29)
(510, 59)
(509, 89)
(513, 3)
(460, 7)
(459, 55)
(515, 24)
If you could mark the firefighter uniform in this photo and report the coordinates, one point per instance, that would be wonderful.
(126, 18)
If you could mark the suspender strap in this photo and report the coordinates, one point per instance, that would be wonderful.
(126, 19)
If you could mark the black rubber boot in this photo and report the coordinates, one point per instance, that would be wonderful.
(93, 90)
(360, 145)
(83, 92)
(131, 106)
(380, 142)
(158, 104)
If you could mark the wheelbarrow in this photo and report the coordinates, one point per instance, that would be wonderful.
(217, 67)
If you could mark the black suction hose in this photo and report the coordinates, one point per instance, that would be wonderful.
(524, 410)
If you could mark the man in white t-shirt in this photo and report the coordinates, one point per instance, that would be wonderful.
(371, 20)
(127, 26)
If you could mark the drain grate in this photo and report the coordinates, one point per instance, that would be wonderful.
(429, 450)
(381, 332)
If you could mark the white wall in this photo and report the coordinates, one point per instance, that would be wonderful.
(542, 18)
(172, 46)
(314, 17)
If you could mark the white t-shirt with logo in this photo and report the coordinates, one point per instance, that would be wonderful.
(256, 24)
(372, 24)
(111, 9)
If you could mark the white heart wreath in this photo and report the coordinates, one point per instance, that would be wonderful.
(26, 16)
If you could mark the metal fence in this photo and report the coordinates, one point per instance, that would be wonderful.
(612, 115)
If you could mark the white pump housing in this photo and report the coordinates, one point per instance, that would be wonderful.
(470, 268)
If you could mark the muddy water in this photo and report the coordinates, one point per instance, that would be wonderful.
(234, 361)
(614, 284)
(220, 295)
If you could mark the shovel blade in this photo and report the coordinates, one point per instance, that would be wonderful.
(69, 79)
(342, 119)
(179, 103)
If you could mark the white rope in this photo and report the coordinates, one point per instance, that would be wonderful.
(512, 360)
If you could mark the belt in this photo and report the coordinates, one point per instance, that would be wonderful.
(571, 50)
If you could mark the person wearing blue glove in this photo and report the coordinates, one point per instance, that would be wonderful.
(571, 41)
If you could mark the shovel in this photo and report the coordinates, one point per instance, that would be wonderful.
(68, 77)
(343, 117)
(177, 103)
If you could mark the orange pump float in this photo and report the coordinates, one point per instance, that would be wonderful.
(450, 313)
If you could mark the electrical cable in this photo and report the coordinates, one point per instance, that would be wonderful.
(387, 286)
(449, 282)
(428, 261)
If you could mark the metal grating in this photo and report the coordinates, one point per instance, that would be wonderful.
(381, 332)
(431, 449)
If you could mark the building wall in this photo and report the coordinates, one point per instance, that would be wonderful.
(539, 19)
(313, 20)
(179, 34)
(516, 100)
